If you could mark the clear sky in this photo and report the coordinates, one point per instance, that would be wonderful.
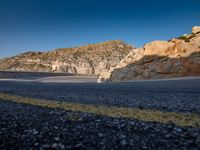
(41, 25)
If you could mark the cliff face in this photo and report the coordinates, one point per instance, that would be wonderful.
(89, 59)
(178, 57)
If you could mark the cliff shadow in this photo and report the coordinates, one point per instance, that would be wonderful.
(158, 67)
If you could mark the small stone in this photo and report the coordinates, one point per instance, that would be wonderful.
(80, 118)
(46, 146)
(57, 139)
(144, 147)
(97, 120)
(178, 129)
(132, 123)
(122, 136)
(123, 142)
(36, 144)
(122, 125)
(51, 112)
(78, 145)
(167, 136)
(61, 146)
(100, 135)
(35, 132)
(54, 145)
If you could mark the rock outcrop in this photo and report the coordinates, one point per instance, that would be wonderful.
(178, 57)
(89, 59)
(196, 29)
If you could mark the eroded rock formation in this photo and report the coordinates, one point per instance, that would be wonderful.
(178, 57)
(89, 59)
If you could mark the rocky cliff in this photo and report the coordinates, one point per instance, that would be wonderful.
(178, 57)
(89, 59)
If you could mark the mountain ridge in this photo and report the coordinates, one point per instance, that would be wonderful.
(88, 59)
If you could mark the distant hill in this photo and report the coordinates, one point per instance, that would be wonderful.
(89, 59)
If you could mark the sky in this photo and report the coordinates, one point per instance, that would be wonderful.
(44, 25)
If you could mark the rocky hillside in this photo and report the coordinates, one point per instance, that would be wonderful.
(89, 59)
(178, 57)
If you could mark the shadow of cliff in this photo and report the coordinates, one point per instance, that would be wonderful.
(158, 67)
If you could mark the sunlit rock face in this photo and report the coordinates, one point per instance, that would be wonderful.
(196, 29)
(178, 57)
(89, 59)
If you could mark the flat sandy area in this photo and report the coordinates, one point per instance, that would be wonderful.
(82, 79)
(57, 79)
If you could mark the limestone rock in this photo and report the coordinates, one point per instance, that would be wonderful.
(104, 76)
(196, 29)
(89, 59)
(178, 57)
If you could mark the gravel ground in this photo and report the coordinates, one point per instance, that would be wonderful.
(30, 127)
(175, 95)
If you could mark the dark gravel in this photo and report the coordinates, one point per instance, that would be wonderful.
(30, 127)
(177, 96)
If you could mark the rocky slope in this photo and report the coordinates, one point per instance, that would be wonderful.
(89, 59)
(178, 57)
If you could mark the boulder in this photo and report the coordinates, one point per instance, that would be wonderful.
(196, 29)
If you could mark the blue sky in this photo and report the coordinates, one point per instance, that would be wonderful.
(42, 25)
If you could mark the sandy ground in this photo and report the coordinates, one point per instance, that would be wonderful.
(57, 79)
(83, 79)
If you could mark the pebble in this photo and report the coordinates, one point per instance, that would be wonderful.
(46, 146)
(36, 144)
(57, 139)
(100, 135)
(62, 146)
(167, 136)
(123, 142)
(54, 145)
(78, 145)
(35, 132)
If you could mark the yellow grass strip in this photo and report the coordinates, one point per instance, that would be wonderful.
(180, 119)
